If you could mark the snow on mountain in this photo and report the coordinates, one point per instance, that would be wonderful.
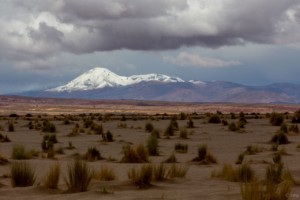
(100, 77)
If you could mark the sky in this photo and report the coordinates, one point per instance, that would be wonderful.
(47, 43)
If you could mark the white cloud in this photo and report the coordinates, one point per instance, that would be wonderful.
(196, 60)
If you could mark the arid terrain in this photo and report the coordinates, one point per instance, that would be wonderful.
(82, 125)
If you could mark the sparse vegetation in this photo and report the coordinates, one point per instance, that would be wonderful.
(137, 155)
(141, 177)
(152, 145)
(149, 127)
(214, 119)
(177, 171)
(204, 156)
(20, 153)
(181, 148)
(280, 138)
(22, 174)
(52, 178)
(276, 119)
(105, 174)
(183, 134)
(79, 176)
(92, 154)
(243, 173)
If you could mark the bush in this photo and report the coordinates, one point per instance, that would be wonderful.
(172, 159)
(276, 119)
(156, 133)
(11, 127)
(20, 153)
(240, 159)
(107, 137)
(269, 191)
(52, 177)
(149, 127)
(233, 127)
(181, 148)
(274, 173)
(243, 173)
(280, 138)
(79, 176)
(22, 175)
(253, 149)
(160, 172)
(48, 127)
(177, 171)
(141, 177)
(183, 134)
(214, 119)
(152, 145)
(204, 156)
(48, 141)
(137, 155)
(294, 128)
(170, 130)
(106, 174)
(190, 123)
(93, 154)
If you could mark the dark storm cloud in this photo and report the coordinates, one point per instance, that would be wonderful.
(47, 28)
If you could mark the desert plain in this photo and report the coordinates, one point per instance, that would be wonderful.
(75, 122)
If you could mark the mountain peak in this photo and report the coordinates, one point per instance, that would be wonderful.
(99, 77)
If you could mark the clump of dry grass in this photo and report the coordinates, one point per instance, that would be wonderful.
(259, 191)
(160, 172)
(105, 174)
(20, 153)
(52, 178)
(22, 174)
(152, 145)
(79, 176)
(253, 149)
(92, 154)
(204, 156)
(181, 148)
(171, 159)
(137, 155)
(177, 171)
(243, 173)
(141, 177)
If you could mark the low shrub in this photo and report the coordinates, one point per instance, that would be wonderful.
(93, 154)
(141, 177)
(52, 178)
(243, 173)
(204, 156)
(190, 123)
(160, 172)
(156, 133)
(79, 176)
(276, 119)
(214, 119)
(137, 155)
(177, 171)
(48, 127)
(22, 174)
(105, 174)
(181, 148)
(240, 159)
(20, 153)
(149, 127)
(108, 136)
(253, 149)
(152, 145)
(171, 159)
(280, 138)
(294, 128)
(183, 134)
(233, 127)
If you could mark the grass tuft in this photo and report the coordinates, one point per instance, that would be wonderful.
(141, 177)
(79, 176)
(22, 175)
(52, 177)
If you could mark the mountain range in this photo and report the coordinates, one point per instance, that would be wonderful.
(101, 83)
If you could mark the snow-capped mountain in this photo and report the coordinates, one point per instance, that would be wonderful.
(98, 78)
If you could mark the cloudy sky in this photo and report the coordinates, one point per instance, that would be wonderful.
(45, 43)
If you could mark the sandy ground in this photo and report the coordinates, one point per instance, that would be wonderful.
(198, 184)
